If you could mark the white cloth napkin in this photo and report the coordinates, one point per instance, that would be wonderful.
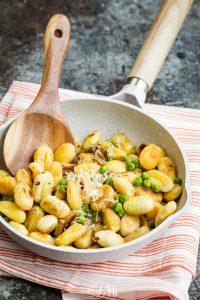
(162, 270)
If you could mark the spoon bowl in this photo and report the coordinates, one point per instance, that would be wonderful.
(43, 122)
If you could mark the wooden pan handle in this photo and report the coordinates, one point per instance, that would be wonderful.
(159, 40)
(56, 43)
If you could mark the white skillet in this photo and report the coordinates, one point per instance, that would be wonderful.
(108, 116)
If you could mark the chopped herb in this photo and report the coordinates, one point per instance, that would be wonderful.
(62, 189)
(79, 214)
(81, 220)
(85, 208)
(94, 214)
(109, 158)
(63, 181)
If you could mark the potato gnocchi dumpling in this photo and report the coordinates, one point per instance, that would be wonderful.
(23, 177)
(94, 194)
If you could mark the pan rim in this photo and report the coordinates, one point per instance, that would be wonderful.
(165, 223)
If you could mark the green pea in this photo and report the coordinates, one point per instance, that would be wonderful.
(117, 207)
(145, 175)
(103, 169)
(147, 183)
(130, 166)
(138, 181)
(62, 189)
(136, 163)
(123, 198)
(109, 181)
(155, 188)
(129, 161)
(63, 181)
(178, 180)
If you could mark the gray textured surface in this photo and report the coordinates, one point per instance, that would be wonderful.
(106, 36)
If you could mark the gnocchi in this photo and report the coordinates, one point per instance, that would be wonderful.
(53, 205)
(12, 211)
(90, 140)
(70, 235)
(136, 234)
(165, 211)
(138, 205)
(23, 177)
(65, 153)
(108, 238)
(7, 185)
(19, 227)
(74, 195)
(33, 217)
(85, 241)
(101, 193)
(128, 224)
(123, 186)
(47, 224)
(55, 168)
(150, 156)
(111, 219)
(116, 166)
(44, 156)
(166, 166)
(23, 197)
(42, 237)
(42, 186)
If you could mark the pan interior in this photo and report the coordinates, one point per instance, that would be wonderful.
(109, 117)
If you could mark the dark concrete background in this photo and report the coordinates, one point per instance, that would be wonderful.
(106, 36)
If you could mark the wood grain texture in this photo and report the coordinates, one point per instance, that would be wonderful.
(159, 40)
(43, 122)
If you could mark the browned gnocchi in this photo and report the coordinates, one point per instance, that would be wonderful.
(100, 193)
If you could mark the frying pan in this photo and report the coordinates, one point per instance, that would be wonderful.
(124, 112)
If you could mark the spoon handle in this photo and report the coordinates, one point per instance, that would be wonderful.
(56, 43)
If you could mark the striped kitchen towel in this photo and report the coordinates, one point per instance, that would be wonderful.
(162, 270)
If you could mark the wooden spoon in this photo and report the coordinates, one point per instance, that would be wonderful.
(43, 122)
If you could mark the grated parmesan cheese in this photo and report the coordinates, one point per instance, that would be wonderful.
(95, 179)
